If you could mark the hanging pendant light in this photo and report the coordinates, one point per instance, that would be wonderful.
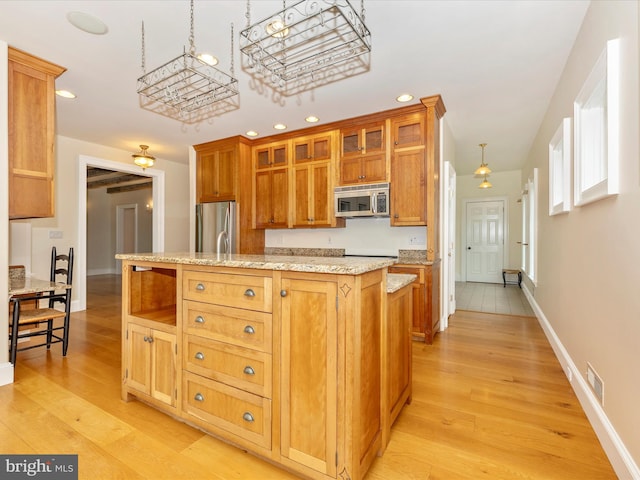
(483, 169)
(143, 159)
(485, 183)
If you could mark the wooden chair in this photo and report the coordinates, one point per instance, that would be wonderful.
(62, 272)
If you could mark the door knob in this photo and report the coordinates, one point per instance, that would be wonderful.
(468, 248)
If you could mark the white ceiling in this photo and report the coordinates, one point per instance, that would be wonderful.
(495, 63)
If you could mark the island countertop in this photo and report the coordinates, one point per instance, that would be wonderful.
(336, 265)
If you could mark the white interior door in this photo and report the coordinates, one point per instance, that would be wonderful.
(485, 241)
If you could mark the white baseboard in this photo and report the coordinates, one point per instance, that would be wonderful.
(621, 461)
(6, 373)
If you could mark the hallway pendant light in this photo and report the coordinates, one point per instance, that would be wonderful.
(485, 183)
(143, 159)
(483, 169)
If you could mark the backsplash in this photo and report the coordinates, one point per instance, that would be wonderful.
(361, 236)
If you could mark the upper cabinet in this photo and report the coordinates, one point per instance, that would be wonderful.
(216, 167)
(31, 135)
(312, 148)
(271, 155)
(363, 156)
(408, 171)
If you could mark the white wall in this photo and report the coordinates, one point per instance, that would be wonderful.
(587, 292)
(505, 184)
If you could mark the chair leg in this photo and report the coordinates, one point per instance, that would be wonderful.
(49, 333)
(67, 317)
(14, 332)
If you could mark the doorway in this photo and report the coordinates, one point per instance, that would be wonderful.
(485, 236)
(126, 230)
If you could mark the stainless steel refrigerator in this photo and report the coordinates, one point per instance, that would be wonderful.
(216, 227)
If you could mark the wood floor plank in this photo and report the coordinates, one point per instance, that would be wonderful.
(490, 401)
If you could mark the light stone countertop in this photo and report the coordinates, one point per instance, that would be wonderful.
(395, 281)
(336, 265)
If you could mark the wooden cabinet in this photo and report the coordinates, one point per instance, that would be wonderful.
(149, 325)
(312, 148)
(271, 155)
(312, 195)
(151, 362)
(397, 364)
(216, 170)
(271, 203)
(31, 101)
(408, 171)
(426, 299)
(363, 154)
(330, 344)
(227, 354)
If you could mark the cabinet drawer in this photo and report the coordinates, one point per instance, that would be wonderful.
(241, 413)
(236, 366)
(244, 328)
(240, 291)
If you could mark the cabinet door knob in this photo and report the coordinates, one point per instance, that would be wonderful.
(247, 417)
(199, 319)
(249, 329)
(146, 339)
(283, 293)
(198, 397)
(249, 371)
(396, 216)
(200, 287)
(150, 339)
(249, 293)
(199, 356)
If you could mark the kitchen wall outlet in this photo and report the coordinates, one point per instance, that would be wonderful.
(55, 233)
(418, 240)
(596, 383)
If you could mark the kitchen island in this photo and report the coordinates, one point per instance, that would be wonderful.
(281, 356)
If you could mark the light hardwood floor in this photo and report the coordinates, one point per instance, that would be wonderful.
(490, 401)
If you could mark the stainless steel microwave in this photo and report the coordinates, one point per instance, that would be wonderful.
(370, 200)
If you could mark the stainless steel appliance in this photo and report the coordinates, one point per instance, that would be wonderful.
(216, 227)
(370, 200)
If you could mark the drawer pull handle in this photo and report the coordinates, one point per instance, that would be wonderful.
(199, 319)
(247, 417)
(249, 329)
(200, 287)
(249, 293)
(199, 397)
(249, 371)
(199, 356)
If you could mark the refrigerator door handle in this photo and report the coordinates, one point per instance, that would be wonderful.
(199, 228)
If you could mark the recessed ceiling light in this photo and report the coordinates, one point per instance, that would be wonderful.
(312, 119)
(252, 133)
(280, 126)
(208, 59)
(87, 23)
(65, 94)
(405, 97)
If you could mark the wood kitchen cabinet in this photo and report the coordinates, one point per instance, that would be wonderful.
(408, 171)
(312, 148)
(31, 102)
(426, 299)
(150, 350)
(363, 154)
(271, 155)
(271, 199)
(216, 170)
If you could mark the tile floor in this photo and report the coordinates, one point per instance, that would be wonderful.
(492, 298)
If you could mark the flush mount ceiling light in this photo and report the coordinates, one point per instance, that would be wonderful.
(87, 23)
(483, 169)
(65, 94)
(142, 158)
(306, 45)
(187, 88)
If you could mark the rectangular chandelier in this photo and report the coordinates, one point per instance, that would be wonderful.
(308, 44)
(188, 89)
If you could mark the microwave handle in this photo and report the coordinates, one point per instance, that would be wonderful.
(374, 201)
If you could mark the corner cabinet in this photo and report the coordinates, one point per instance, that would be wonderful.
(149, 326)
(31, 135)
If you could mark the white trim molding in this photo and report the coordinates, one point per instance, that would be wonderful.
(620, 458)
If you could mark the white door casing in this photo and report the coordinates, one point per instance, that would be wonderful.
(449, 234)
(484, 241)
(126, 230)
